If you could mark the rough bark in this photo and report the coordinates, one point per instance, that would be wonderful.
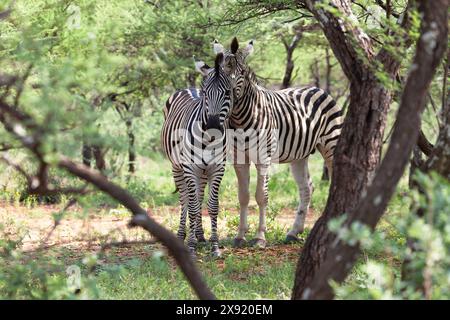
(359, 147)
(355, 159)
(338, 261)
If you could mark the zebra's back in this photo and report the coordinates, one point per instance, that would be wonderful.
(304, 118)
(177, 109)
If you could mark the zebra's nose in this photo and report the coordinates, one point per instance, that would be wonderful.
(214, 123)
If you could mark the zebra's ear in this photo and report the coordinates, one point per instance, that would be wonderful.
(248, 49)
(202, 67)
(234, 45)
(217, 47)
(218, 62)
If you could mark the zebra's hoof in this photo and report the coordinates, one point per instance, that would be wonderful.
(258, 243)
(291, 239)
(239, 243)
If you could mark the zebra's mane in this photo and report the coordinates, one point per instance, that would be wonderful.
(213, 76)
(253, 77)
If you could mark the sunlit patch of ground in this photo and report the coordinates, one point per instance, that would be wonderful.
(131, 269)
(80, 232)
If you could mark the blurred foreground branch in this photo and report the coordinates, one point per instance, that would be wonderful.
(29, 134)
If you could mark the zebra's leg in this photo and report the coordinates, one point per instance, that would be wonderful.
(301, 176)
(199, 233)
(213, 207)
(194, 207)
(178, 176)
(243, 177)
(327, 155)
(262, 197)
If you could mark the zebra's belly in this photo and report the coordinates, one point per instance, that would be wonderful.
(270, 146)
(288, 150)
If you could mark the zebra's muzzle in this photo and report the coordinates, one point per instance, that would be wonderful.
(214, 123)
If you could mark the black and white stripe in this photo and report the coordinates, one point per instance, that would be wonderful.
(194, 139)
(292, 122)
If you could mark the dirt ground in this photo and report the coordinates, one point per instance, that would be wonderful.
(79, 233)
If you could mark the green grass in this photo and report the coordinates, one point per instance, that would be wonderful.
(239, 278)
(135, 273)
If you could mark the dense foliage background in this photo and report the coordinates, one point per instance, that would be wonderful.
(96, 74)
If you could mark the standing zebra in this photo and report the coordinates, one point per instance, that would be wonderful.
(277, 126)
(193, 138)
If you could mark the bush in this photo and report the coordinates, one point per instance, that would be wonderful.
(419, 267)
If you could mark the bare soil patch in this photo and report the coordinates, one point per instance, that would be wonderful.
(78, 233)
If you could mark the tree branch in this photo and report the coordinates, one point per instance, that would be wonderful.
(12, 118)
(346, 39)
(424, 145)
(429, 52)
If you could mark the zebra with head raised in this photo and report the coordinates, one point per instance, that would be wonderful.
(276, 126)
(193, 138)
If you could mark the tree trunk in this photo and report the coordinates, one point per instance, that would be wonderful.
(131, 148)
(99, 156)
(324, 258)
(290, 48)
(288, 71)
(356, 157)
(287, 78)
(86, 154)
(359, 146)
(440, 164)
(439, 160)
(93, 151)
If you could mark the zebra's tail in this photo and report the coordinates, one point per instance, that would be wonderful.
(176, 190)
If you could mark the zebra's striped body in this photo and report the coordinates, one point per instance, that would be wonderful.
(297, 120)
(293, 123)
(194, 140)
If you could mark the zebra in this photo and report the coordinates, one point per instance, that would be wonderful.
(277, 126)
(193, 138)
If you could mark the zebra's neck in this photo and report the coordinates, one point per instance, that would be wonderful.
(203, 113)
(248, 109)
